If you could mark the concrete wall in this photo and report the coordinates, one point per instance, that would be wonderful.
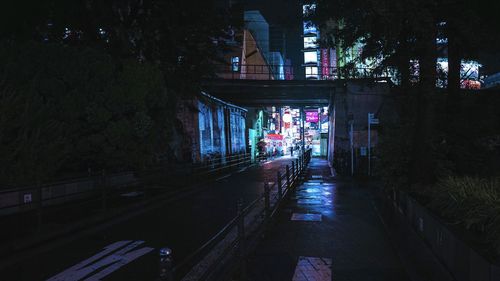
(254, 64)
(355, 101)
(211, 128)
(461, 260)
(187, 142)
(258, 26)
(25, 199)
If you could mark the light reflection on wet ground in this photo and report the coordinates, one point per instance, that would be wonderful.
(306, 217)
(316, 196)
(349, 234)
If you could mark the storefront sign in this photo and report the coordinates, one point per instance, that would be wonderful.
(287, 117)
(312, 116)
(274, 136)
(325, 62)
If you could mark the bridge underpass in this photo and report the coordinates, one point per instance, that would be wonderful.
(348, 101)
(275, 92)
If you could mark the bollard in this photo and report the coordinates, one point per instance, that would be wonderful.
(297, 165)
(267, 202)
(287, 171)
(280, 186)
(241, 220)
(103, 192)
(241, 239)
(293, 172)
(166, 268)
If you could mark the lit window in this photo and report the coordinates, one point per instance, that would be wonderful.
(309, 28)
(308, 9)
(310, 57)
(311, 72)
(310, 42)
(235, 62)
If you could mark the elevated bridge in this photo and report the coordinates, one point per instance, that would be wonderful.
(281, 92)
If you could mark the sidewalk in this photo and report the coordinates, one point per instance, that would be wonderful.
(328, 230)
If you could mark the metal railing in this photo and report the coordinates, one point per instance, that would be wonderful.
(220, 164)
(230, 245)
(284, 72)
(253, 71)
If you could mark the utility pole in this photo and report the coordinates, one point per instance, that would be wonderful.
(351, 139)
(370, 116)
(302, 129)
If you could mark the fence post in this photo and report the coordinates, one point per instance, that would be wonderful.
(287, 177)
(166, 273)
(103, 191)
(39, 215)
(267, 203)
(241, 239)
(280, 186)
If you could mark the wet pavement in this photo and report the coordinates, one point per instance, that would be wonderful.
(128, 250)
(328, 230)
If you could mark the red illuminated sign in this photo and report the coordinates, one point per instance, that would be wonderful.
(274, 136)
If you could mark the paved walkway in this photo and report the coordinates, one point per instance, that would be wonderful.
(328, 230)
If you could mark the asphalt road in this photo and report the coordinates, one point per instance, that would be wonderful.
(129, 250)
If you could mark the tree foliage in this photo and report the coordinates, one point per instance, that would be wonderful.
(182, 37)
(94, 83)
(65, 110)
(401, 31)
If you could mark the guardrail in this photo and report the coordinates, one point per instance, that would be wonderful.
(232, 240)
(27, 198)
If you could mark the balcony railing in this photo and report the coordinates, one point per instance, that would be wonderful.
(254, 72)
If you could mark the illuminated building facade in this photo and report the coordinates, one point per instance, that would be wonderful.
(319, 63)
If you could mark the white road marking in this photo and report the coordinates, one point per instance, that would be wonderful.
(107, 259)
(313, 269)
(223, 177)
(306, 217)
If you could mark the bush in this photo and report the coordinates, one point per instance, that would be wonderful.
(471, 202)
